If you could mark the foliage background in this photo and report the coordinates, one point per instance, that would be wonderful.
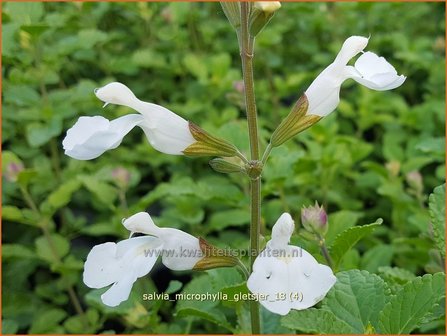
(184, 56)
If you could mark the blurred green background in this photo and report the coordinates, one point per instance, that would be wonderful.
(379, 155)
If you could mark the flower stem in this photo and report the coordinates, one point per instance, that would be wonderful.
(325, 251)
(266, 154)
(246, 43)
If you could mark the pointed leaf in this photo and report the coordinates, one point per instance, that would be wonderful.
(357, 299)
(315, 321)
(437, 216)
(407, 309)
(348, 238)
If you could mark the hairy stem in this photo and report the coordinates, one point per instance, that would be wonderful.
(246, 43)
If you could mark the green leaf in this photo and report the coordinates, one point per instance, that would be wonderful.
(82, 324)
(60, 197)
(39, 134)
(9, 326)
(54, 249)
(395, 275)
(103, 191)
(315, 321)
(377, 256)
(196, 66)
(411, 304)
(204, 309)
(348, 238)
(24, 216)
(223, 219)
(174, 286)
(26, 176)
(271, 323)
(25, 12)
(437, 216)
(89, 37)
(46, 321)
(16, 251)
(357, 299)
(340, 221)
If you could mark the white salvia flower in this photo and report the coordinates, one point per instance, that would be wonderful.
(92, 136)
(181, 250)
(369, 70)
(123, 263)
(287, 277)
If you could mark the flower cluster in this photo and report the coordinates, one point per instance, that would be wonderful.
(280, 267)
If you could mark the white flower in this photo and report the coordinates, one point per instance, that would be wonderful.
(369, 70)
(121, 264)
(181, 250)
(287, 277)
(92, 136)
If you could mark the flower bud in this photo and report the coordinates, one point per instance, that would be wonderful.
(13, 170)
(225, 166)
(393, 167)
(207, 144)
(121, 177)
(239, 86)
(297, 121)
(214, 257)
(414, 180)
(261, 14)
(314, 219)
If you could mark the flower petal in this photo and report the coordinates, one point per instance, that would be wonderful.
(269, 280)
(351, 47)
(369, 64)
(282, 231)
(166, 131)
(101, 268)
(381, 82)
(120, 291)
(376, 73)
(109, 262)
(92, 136)
(311, 279)
(116, 93)
(142, 223)
(323, 94)
(181, 251)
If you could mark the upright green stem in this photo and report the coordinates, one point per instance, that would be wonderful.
(247, 49)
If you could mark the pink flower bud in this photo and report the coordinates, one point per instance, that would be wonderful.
(314, 219)
(239, 86)
(12, 171)
(121, 177)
